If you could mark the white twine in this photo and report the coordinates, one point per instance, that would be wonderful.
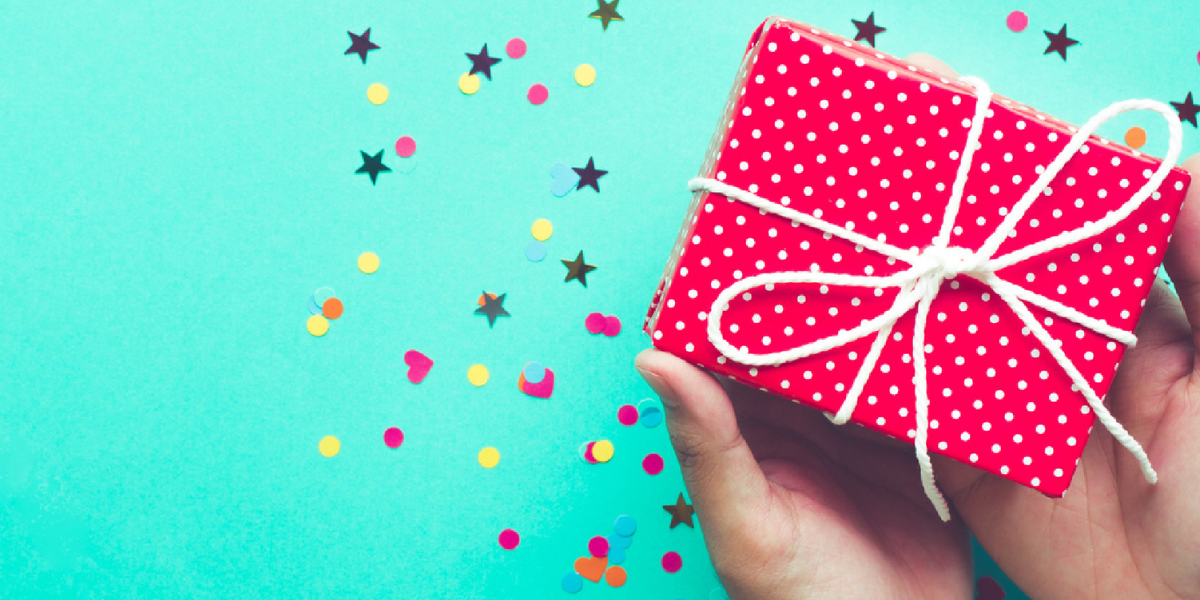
(920, 284)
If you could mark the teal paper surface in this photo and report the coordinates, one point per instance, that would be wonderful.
(178, 178)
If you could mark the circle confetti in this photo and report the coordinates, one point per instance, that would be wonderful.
(572, 583)
(1017, 21)
(653, 463)
(586, 452)
(509, 539)
(603, 451)
(650, 413)
(322, 294)
(612, 326)
(537, 93)
(672, 562)
(332, 308)
(468, 84)
(368, 262)
(595, 323)
(534, 372)
(615, 576)
(627, 415)
(515, 48)
(477, 375)
(625, 526)
(585, 75)
(535, 251)
(598, 546)
(406, 146)
(318, 325)
(329, 446)
(1135, 138)
(377, 93)
(393, 437)
(542, 229)
(489, 457)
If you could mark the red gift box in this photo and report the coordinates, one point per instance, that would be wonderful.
(823, 132)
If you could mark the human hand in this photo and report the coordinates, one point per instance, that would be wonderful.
(795, 507)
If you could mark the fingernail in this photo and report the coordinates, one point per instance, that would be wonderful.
(660, 386)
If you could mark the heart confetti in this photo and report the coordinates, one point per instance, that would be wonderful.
(418, 365)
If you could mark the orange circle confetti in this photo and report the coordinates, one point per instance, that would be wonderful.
(1135, 138)
(489, 295)
(332, 308)
(615, 576)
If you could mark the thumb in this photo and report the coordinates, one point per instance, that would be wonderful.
(723, 477)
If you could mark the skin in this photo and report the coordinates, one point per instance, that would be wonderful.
(795, 507)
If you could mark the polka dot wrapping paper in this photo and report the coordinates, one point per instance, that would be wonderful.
(854, 137)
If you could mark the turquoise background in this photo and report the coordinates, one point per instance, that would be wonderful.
(178, 178)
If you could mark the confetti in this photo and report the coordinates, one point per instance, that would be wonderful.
(1017, 21)
(595, 323)
(603, 451)
(627, 415)
(368, 262)
(585, 75)
(598, 546)
(477, 375)
(509, 539)
(615, 576)
(565, 179)
(589, 175)
(625, 526)
(537, 94)
(672, 562)
(482, 63)
(332, 309)
(653, 463)
(1059, 42)
(322, 295)
(1135, 137)
(393, 437)
(534, 372)
(418, 365)
(318, 325)
(515, 48)
(535, 251)
(377, 93)
(542, 229)
(572, 583)
(406, 146)
(329, 446)
(586, 451)
(867, 30)
(591, 567)
(468, 84)
(492, 306)
(373, 165)
(1187, 110)
(616, 556)
(542, 389)
(313, 307)
(612, 326)
(606, 12)
(361, 44)
(617, 541)
(489, 457)
(650, 413)
(681, 512)
(577, 269)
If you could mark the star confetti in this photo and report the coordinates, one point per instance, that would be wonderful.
(867, 30)
(607, 12)
(1059, 42)
(361, 44)
(1187, 109)
(373, 165)
(493, 306)
(577, 269)
(681, 512)
(482, 63)
(589, 175)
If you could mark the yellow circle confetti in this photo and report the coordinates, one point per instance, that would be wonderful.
(585, 75)
(318, 325)
(477, 375)
(469, 84)
(542, 230)
(377, 93)
(368, 262)
(329, 446)
(489, 457)
(1135, 138)
(603, 451)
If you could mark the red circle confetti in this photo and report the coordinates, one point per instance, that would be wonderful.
(393, 437)
(598, 546)
(653, 463)
(672, 562)
(405, 146)
(509, 539)
(538, 93)
(612, 326)
(515, 48)
(1017, 21)
(332, 308)
(627, 415)
(587, 453)
(595, 323)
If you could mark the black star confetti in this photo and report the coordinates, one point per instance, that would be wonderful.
(493, 306)
(577, 269)
(361, 44)
(373, 165)
(1187, 110)
(867, 30)
(482, 63)
(681, 513)
(589, 175)
(1059, 42)
(606, 12)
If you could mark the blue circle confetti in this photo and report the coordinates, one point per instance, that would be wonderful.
(572, 582)
(535, 251)
(616, 556)
(534, 372)
(625, 525)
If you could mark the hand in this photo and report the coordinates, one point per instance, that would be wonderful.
(795, 507)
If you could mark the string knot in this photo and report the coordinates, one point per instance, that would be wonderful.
(937, 263)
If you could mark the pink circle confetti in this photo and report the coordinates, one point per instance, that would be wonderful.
(1017, 21)
(393, 437)
(672, 562)
(598, 546)
(538, 93)
(405, 146)
(587, 453)
(595, 323)
(627, 415)
(509, 539)
(1198, 57)
(612, 326)
(653, 463)
(515, 48)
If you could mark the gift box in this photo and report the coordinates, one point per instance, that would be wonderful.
(821, 128)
